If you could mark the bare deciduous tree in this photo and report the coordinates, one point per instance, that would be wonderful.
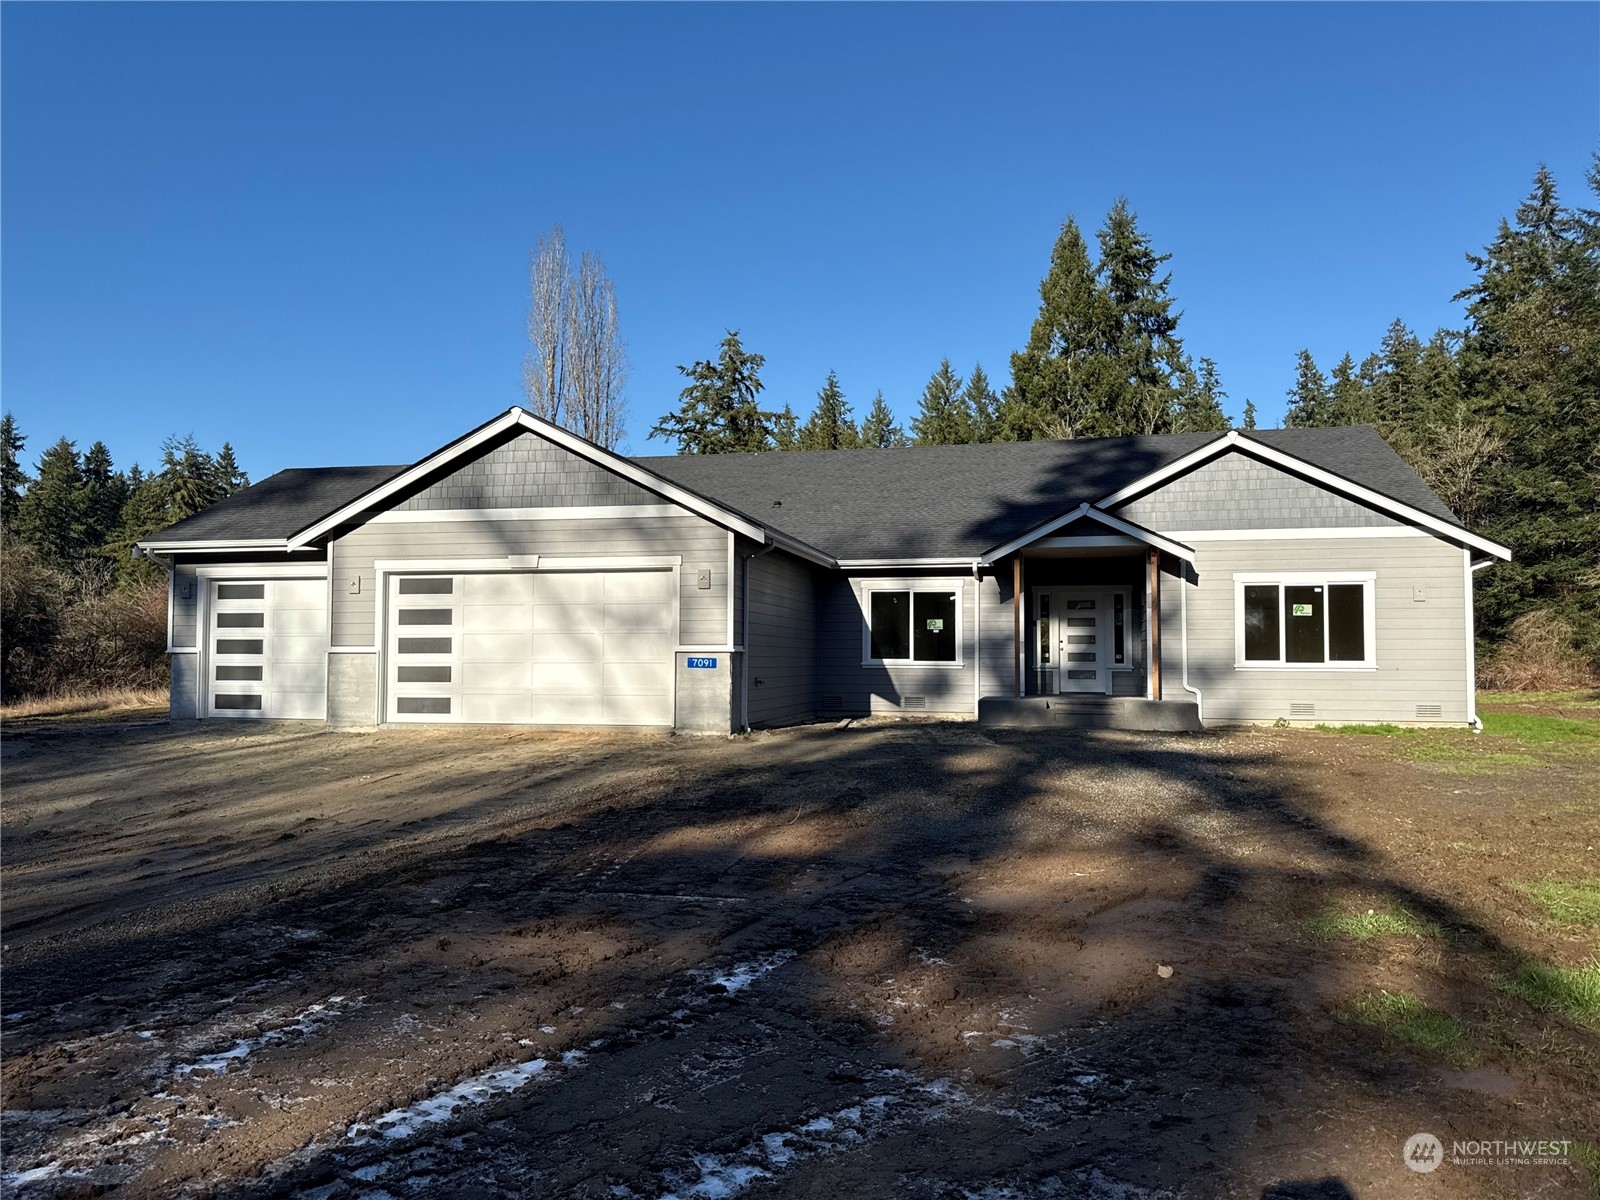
(1452, 461)
(544, 366)
(577, 363)
(597, 358)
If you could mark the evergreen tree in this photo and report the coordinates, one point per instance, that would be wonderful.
(1060, 378)
(1530, 361)
(1394, 388)
(944, 419)
(829, 426)
(12, 477)
(1347, 396)
(1146, 356)
(785, 433)
(50, 517)
(1249, 421)
(1310, 401)
(1200, 398)
(879, 430)
(719, 413)
(188, 480)
(104, 493)
(980, 401)
(230, 478)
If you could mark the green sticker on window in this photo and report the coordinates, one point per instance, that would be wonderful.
(1303, 610)
(935, 624)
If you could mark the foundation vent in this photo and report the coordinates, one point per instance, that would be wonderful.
(913, 702)
(1302, 709)
(1430, 712)
(832, 703)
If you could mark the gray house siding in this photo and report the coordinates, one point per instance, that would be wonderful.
(1235, 491)
(703, 614)
(528, 472)
(845, 686)
(782, 640)
(1421, 643)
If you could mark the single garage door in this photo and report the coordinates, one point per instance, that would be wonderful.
(268, 648)
(540, 647)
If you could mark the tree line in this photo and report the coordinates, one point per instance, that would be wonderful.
(1501, 417)
(1103, 358)
(76, 608)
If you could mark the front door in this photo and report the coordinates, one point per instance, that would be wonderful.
(1081, 633)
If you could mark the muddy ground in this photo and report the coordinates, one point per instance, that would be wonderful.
(897, 959)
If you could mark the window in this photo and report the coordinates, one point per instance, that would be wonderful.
(1304, 621)
(913, 626)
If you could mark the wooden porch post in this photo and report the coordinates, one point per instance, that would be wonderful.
(1153, 589)
(1016, 619)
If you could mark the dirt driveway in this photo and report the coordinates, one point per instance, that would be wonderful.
(897, 959)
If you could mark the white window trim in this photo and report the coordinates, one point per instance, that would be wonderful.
(941, 587)
(1283, 579)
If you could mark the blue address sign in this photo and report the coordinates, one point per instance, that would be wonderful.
(702, 663)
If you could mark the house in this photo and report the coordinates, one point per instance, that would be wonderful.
(523, 575)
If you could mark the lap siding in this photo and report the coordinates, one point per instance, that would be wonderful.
(782, 640)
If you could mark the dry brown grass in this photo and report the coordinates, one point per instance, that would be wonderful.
(89, 704)
(1538, 655)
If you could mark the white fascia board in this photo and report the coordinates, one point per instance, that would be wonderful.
(212, 547)
(1093, 513)
(1234, 440)
(873, 564)
(515, 418)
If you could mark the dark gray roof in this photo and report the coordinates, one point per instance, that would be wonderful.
(917, 502)
(278, 506)
(958, 501)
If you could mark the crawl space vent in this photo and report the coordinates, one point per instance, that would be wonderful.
(914, 702)
(1302, 708)
(832, 703)
(1429, 712)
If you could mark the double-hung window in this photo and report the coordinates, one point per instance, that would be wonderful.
(1304, 621)
(912, 625)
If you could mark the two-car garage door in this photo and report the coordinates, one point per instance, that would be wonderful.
(531, 647)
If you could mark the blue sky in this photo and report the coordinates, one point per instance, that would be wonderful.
(305, 228)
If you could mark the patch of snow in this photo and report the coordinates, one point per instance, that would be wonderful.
(307, 1021)
(13, 1179)
(736, 978)
(147, 1033)
(547, 1029)
(432, 1110)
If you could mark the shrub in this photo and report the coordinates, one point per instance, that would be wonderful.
(1539, 654)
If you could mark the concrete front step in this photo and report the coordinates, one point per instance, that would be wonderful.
(1090, 712)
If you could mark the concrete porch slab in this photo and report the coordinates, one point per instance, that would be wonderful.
(1090, 712)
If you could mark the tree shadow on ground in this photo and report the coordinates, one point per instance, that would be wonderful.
(965, 926)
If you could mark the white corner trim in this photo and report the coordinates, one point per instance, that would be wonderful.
(1234, 440)
(1306, 533)
(1094, 513)
(517, 418)
(589, 512)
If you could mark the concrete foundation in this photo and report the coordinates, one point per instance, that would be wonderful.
(1090, 712)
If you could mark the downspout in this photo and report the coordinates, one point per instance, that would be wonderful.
(1183, 632)
(1474, 721)
(977, 639)
(166, 566)
(744, 639)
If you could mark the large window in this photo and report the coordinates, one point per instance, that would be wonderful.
(1302, 621)
(913, 625)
